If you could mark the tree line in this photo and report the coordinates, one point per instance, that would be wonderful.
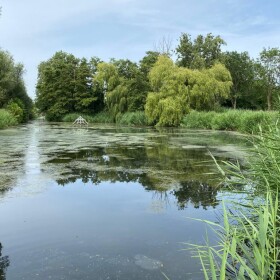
(13, 94)
(202, 77)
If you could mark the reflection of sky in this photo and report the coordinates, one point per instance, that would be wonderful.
(86, 227)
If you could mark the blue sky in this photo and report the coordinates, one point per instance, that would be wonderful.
(33, 30)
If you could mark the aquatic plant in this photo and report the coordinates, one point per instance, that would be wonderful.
(249, 242)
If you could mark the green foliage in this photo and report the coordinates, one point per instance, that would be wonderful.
(168, 102)
(241, 68)
(176, 89)
(16, 109)
(203, 52)
(6, 119)
(148, 61)
(124, 86)
(269, 72)
(12, 87)
(208, 87)
(65, 84)
(132, 118)
(249, 245)
(237, 120)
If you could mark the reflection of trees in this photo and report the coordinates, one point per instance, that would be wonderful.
(4, 263)
(196, 193)
(160, 167)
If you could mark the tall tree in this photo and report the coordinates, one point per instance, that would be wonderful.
(241, 68)
(12, 87)
(148, 61)
(203, 52)
(269, 73)
(65, 85)
(176, 89)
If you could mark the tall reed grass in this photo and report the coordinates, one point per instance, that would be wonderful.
(132, 118)
(249, 239)
(6, 119)
(236, 120)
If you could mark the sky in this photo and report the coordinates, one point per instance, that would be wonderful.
(33, 30)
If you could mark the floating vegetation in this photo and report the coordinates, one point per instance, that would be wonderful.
(160, 160)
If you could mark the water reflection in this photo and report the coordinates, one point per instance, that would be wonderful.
(4, 263)
(186, 174)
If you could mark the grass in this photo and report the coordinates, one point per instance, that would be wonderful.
(102, 117)
(249, 239)
(129, 118)
(132, 118)
(246, 121)
(6, 119)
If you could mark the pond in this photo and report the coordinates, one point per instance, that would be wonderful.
(107, 202)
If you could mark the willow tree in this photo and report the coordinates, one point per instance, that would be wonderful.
(168, 102)
(208, 87)
(177, 89)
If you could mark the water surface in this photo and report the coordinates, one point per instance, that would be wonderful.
(105, 202)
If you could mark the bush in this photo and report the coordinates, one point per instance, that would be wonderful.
(7, 119)
(16, 111)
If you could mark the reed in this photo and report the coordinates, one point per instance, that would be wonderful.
(236, 120)
(249, 238)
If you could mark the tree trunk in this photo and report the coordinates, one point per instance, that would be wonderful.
(233, 102)
(269, 99)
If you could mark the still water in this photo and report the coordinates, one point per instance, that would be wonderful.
(105, 202)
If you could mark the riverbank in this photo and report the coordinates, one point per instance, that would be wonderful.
(245, 121)
(7, 119)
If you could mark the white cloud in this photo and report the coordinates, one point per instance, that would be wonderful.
(33, 30)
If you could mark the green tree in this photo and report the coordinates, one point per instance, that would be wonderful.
(168, 102)
(15, 107)
(123, 86)
(203, 52)
(177, 89)
(148, 61)
(241, 68)
(269, 73)
(134, 83)
(208, 87)
(12, 85)
(65, 85)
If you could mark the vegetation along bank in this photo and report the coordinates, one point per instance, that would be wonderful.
(202, 78)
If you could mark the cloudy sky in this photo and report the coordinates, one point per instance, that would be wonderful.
(33, 30)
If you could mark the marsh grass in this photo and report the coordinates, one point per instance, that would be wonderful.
(6, 119)
(249, 238)
(236, 120)
(132, 118)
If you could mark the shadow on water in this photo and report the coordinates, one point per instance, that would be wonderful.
(4, 263)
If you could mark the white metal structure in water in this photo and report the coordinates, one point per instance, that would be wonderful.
(80, 121)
